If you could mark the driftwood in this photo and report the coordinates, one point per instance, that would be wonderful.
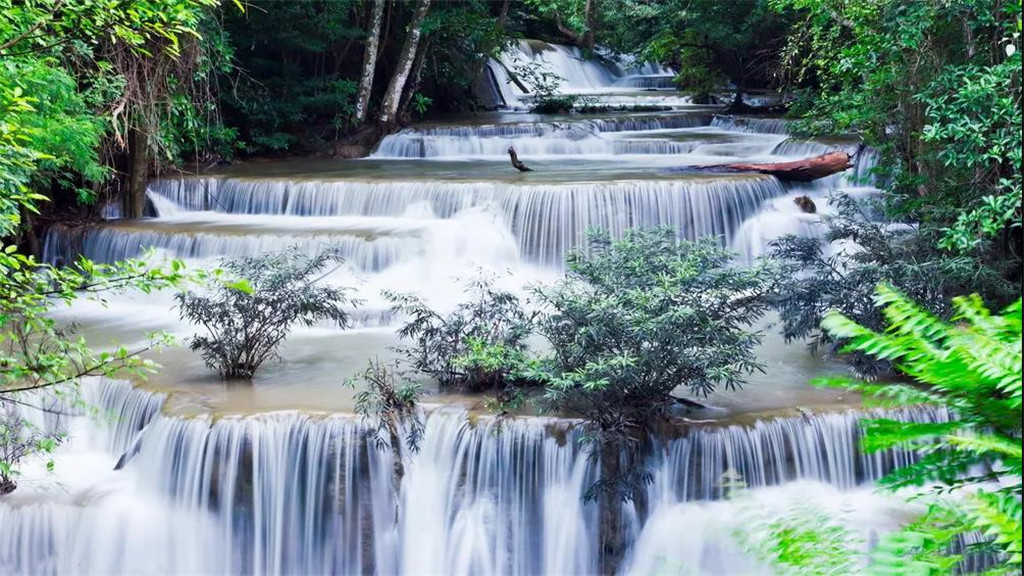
(515, 161)
(804, 170)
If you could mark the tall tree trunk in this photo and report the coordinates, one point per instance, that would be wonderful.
(134, 201)
(414, 80)
(393, 96)
(610, 528)
(503, 15)
(588, 21)
(369, 62)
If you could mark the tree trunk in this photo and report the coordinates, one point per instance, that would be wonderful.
(369, 62)
(393, 96)
(610, 528)
(414, 81)
(588, 20)
(804, 170)
(134, 201)
(503, 15)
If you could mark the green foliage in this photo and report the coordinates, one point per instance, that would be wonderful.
(37, 352)
(545, 97)
(389, 399)
(248, 317)
(18, 439)
(973, 368)
(803, 541)
(935, 86)
(421, 103)
(857, 253)
(636, 318)
(969, 471)
(479, 346)
(66, 78)
(710, 43)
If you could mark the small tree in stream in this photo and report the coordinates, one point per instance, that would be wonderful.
(636, 318)
(479, 346)
(247, 318)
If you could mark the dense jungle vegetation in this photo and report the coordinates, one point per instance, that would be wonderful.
(99, 96)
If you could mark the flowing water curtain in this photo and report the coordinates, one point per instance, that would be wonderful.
(291, 493)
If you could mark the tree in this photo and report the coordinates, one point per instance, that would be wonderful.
(389, 402)
(947, 126)
(369, 63)
(247, 317)
(38, 353)
(710, 43)
(575, 19)
(393, 95)
(69, 59)
(636, 318)
(633, 320)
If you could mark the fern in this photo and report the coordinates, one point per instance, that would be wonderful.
(972, 367)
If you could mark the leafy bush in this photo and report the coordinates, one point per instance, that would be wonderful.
(545, 97)
(855, 254)
(638, 317)
(389, 398)
(246, 319)
(479, 346)
(633, 320)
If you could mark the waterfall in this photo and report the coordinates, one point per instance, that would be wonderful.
(292, 493)
(566, 138)
(751, 125)
(579, 73)
(546, 220)
(112, 244)
(780, 216)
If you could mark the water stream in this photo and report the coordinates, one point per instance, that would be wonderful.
(280, 478)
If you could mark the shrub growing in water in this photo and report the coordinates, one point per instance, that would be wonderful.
(478, 346)
(246, 319)
(638, 317)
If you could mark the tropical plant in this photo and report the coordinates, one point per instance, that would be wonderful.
(969, 471)
(478, 346)
(389, 399)
(249, 314)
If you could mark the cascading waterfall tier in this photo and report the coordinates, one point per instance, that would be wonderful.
(572, 137)
(546, 219)
(291, 493)
(115, 243)
(578, 73)
(751, 125)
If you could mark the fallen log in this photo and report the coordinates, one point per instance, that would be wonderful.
(804, 170)
(516, 163)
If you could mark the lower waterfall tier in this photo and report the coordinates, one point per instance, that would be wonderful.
(290, 493)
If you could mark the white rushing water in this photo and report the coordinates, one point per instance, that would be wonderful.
(258, 490)
(289, 493)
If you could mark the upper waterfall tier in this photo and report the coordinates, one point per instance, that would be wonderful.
(679, 134)
(546, 219)
(604, 74)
